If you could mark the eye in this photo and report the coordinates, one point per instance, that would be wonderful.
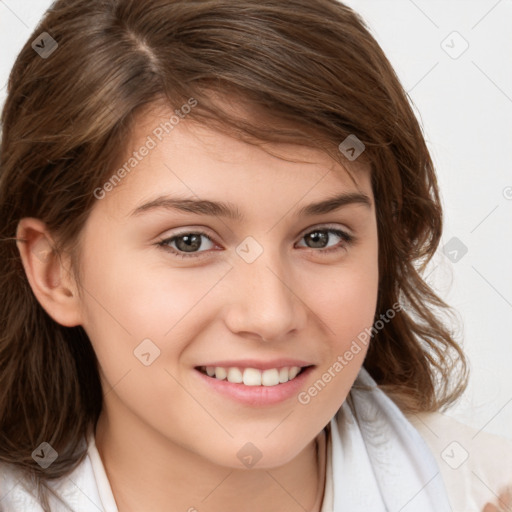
(186, 244)
(320, 237)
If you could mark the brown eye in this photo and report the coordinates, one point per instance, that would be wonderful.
(186, 244)
(320, 238)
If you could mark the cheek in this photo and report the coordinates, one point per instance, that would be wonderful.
(353, 305)
(130, 298)
(139, 294)
(350, 309)
(346, 303)
(346, 308)
(345, 297)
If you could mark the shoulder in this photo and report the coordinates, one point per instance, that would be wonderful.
(15, 493)
(476, 466)
(78, 490)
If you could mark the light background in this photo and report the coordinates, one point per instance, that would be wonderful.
(464, 102)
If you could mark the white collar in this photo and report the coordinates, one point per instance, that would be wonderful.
(380, 462)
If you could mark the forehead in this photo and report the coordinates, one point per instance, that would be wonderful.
(192, 159)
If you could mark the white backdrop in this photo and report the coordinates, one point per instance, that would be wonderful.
(454, 58)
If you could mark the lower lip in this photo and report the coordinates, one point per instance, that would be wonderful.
(257, 395)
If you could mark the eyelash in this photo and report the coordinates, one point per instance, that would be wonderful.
(347, 240)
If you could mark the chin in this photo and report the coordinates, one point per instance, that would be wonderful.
(258, 453)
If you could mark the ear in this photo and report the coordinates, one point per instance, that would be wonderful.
(49, 277)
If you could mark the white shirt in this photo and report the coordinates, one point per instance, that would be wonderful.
(474, 465)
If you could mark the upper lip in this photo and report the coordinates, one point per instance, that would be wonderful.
(259, 365)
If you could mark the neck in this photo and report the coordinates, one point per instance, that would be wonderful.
(153, 473)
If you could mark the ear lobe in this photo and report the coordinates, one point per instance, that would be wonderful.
(49, 276)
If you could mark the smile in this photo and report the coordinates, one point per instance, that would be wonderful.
(253, 376)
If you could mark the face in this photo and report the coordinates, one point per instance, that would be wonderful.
(175, 293)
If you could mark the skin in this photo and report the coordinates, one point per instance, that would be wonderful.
(167, 441)
(503, 504)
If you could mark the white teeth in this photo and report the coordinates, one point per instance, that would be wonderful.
(253, 376)
(294, 370)
(235, 375)
(270, 377)
(220, 373)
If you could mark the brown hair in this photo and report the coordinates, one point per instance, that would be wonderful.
(310, 66)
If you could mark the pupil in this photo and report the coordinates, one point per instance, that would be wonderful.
(190, 242)
(318, 235)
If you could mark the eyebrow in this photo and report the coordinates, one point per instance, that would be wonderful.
(230, 211)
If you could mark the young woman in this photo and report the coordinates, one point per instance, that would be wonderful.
(214, 218)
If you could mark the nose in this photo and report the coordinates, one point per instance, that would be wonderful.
(265, 301)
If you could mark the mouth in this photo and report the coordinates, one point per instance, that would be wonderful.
(255, 382)
(253, 376)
